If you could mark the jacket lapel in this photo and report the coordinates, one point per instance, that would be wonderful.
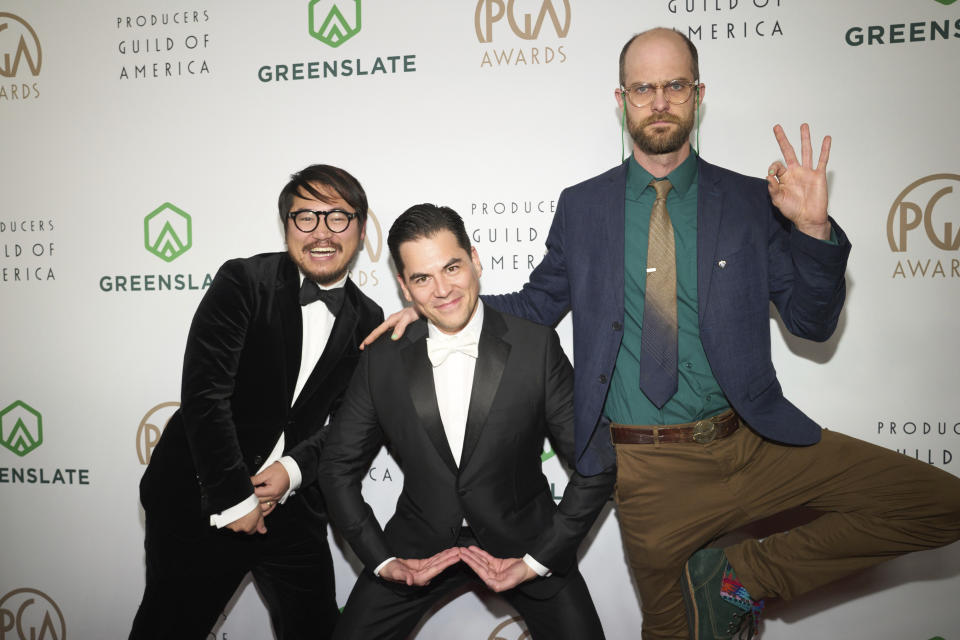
(492, 354)
(291, 322)
(422, 391)
(340, 340)
(709, 214)
(610, 215)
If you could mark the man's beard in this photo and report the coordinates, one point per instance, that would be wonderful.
(660, 143)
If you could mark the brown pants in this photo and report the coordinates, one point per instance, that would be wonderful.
(674, 499)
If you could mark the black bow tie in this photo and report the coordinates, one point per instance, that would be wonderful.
(310, 292)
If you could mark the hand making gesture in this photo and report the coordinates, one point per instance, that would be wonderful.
(798, 189)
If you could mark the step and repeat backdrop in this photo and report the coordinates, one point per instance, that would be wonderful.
(145, 142)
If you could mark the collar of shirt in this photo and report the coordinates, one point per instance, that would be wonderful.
(681, 178)
(336, 285)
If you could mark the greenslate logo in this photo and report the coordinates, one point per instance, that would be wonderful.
(547, 453)
(167, 232)
(329, 26)
(21, 428)
(945, 2)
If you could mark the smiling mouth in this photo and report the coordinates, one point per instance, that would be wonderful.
(321, 252)
(450, 304)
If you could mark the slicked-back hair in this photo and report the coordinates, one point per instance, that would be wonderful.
(423, 221)
(304, 184)
(692, 48)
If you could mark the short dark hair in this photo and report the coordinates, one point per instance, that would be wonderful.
(692, 48)
(302, 184)
(423, 221)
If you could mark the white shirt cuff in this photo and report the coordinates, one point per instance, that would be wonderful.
(380, 566)
(237, 511)
(293, 472)
(541, 570)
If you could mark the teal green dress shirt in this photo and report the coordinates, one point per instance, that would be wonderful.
(698, 394)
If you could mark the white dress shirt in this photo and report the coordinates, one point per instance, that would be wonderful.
(317, 325)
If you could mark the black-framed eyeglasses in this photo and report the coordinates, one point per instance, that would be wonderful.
(306, 220)
(674, 92)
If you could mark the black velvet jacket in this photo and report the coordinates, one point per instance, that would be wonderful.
(239, 372)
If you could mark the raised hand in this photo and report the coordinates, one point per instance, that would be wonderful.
(419, 572)
(798, 189)
(499, 574)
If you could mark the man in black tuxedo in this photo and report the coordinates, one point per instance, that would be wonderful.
(464, 402)
(263, 370)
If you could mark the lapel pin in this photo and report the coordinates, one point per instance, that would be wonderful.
(722, 264)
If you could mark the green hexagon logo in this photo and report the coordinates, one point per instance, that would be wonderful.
(328, 24)
(548, 452)
(167, 232)
(21, 428)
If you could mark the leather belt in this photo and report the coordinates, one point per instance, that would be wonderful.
(701, 431)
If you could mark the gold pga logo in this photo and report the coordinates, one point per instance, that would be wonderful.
(512, 629)
(490, 11)
(923, 210)
(373, 239)
(148, 433)
(19, 50)
(907, 214)
(29, 614)
(373, 245)
(526, 19)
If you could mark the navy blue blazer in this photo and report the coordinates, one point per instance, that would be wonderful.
(748, 254)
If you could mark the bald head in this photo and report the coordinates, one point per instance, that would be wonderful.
(662, 39)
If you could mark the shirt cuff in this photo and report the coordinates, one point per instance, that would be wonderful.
(237, 511)
(540, 570)
(380, 566)
(293, 472)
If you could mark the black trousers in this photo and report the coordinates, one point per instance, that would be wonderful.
(194, 569)
(382, 610)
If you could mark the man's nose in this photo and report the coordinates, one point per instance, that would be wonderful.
(660, 101)
(441, 287)
(321, 232)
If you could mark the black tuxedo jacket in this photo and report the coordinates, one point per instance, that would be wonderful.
(522, 391)
(239, 372)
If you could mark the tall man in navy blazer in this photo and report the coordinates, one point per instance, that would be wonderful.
(464, 403)
(722, 451)
(271, 349)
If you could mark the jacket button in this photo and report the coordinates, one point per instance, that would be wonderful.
(257, 461)
(617, 326)
(603, 378)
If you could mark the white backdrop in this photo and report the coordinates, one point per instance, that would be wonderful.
(110, 111)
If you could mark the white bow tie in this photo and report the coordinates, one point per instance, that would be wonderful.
(439, 348)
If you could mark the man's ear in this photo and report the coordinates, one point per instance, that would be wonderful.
(475, 259)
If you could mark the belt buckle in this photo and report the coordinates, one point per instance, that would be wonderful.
(704, 431)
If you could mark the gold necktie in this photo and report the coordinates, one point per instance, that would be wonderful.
(658, 336)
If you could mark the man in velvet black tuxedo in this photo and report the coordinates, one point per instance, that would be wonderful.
(463, 402)
(230, 487)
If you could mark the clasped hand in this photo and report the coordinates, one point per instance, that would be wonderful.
(268, 486)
